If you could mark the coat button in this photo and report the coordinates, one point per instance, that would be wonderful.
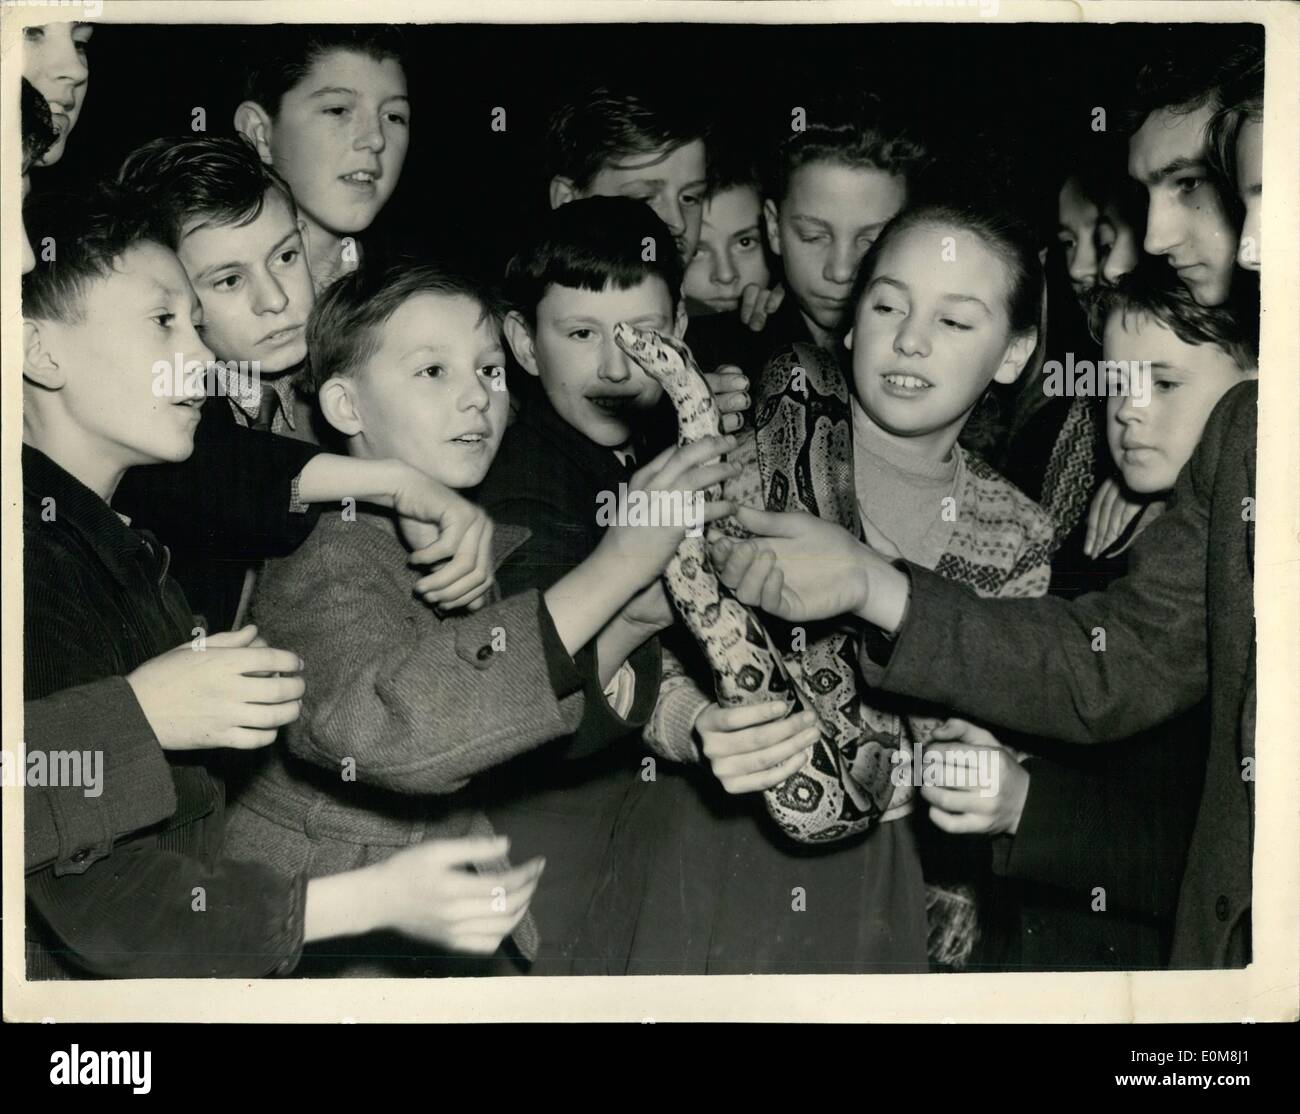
(81, 856)
(1221, 907)
(485, 652)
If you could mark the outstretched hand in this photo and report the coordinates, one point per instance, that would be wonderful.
(797, 567)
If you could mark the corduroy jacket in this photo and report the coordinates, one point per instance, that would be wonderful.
(164, 902)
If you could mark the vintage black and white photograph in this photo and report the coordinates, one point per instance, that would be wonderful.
(510, 495)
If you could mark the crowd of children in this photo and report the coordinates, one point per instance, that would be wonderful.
(380, 693)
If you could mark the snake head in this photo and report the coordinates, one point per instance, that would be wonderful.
(657, 354)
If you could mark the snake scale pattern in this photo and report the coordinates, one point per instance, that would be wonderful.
(828, 798)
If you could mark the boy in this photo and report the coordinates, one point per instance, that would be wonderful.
(1075, 820)
(408, 363)
(614, 143)
(98, 603)
(1168, 153)
(578, 437)
(834, 186)
(327, 106)
(729, 257)
(233, 223)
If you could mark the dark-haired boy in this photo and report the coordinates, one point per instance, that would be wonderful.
(1188, 218)
(580, 433)
(327, 106)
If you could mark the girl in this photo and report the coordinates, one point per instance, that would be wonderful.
(946, 302)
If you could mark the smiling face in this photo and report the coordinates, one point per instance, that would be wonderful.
(340, 139)
(670, 181)
(730, 252)
(1151, 443)
(1250, 188)
(142, 314)
(54, 61)
(591, 383)
(253, 282)
(432, 392)
(930, 333)
(830, 216)
(1186, 221)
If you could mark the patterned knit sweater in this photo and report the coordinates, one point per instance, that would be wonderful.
(999, 545)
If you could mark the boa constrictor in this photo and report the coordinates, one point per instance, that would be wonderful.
(831, 796)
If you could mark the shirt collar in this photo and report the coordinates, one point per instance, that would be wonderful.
(245, 394)
(74, 506)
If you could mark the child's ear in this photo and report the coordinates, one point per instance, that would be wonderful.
(520, 338)
(39, 366)
(339, 405)
(773, 226)
(253, 123)
(562, 191)
(1016, 357)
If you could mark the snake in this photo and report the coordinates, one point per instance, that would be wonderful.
(827, 797)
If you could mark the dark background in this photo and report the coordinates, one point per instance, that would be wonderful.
(1010, 101)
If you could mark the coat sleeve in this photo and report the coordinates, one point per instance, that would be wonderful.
(233, 498)
(1101, 667)
(555, 546)
(147, 912)
(65, 826)
(417, 704)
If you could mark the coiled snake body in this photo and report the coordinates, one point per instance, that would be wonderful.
(822, 801)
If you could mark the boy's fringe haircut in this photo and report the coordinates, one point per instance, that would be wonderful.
(91, 230)
(589, 245)
(342, 330)
(280, 56)
(1154, 292)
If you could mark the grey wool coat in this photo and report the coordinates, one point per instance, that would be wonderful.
(402, 707)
